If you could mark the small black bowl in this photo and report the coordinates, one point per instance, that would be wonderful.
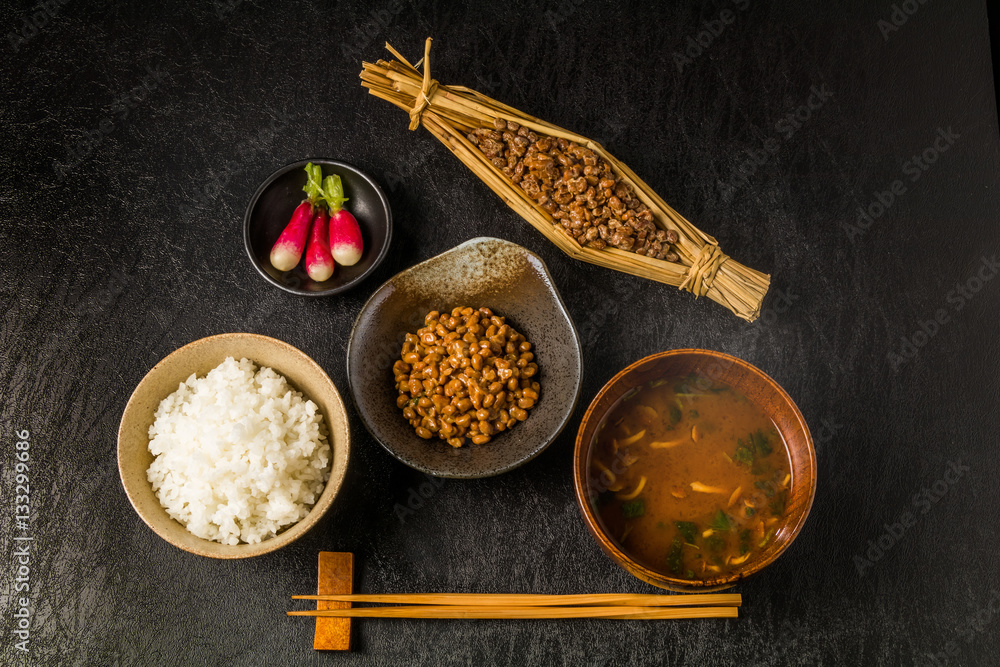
(271, 208)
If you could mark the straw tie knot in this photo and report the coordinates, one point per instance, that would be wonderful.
(423, 99)
(427, 89)
(701, 275)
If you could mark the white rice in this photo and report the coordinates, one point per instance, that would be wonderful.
(238, 454)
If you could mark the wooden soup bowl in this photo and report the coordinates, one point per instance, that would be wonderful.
(758, 388)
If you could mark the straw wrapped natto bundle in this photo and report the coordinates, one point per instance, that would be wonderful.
(459, 116)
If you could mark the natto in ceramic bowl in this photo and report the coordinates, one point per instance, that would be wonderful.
(488, 272)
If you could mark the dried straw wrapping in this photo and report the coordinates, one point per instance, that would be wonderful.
(451, 112)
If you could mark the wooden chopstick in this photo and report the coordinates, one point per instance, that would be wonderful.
(530, 600)
(497, 612)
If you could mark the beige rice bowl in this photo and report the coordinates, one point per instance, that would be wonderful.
(238, 455)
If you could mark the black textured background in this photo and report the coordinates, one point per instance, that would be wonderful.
(114, 254)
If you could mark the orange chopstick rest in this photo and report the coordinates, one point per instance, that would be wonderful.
(336, 577)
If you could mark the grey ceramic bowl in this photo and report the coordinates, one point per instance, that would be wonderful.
(271, 207)
(482, 272)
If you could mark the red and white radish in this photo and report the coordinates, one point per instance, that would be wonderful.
(319, 261)
(287, 250)
(346, 244)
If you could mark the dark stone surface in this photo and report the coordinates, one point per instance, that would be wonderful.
(116, 252)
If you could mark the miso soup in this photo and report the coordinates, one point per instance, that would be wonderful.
(689, 477)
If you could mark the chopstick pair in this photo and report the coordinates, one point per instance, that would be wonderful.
(528, 606)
